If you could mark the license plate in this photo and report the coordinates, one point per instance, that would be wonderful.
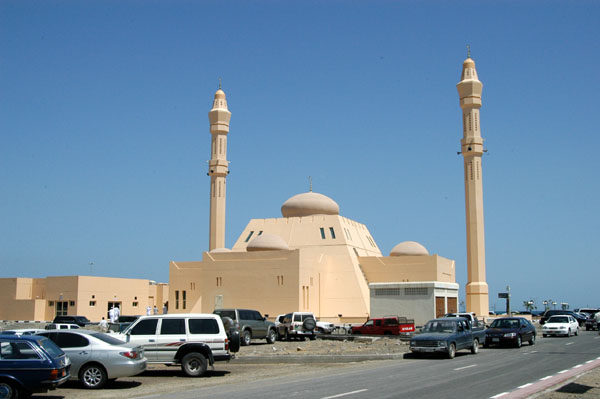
(495, 339)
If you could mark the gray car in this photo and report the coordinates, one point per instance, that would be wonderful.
(97, 357)
(251, 324)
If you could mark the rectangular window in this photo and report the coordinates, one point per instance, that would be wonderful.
(322, 233)
(183, 299)
(51, 303)
(203, 326)
(249, 236)
(416, 291)
(332, 232)
(260, 232)
(71, 303)
(92, 303)
(387, 291)
(176, 299)
(172, 326)
(134, 304)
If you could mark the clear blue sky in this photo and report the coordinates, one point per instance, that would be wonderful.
(104, 130)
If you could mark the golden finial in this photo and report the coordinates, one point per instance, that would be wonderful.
(310, 180)
(468, 51)
(219, 83)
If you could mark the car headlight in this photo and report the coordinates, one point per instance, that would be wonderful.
(510, 335)
(443, 344)
(563, 327)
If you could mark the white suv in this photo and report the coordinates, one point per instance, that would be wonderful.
(193, 341)
(298, 325)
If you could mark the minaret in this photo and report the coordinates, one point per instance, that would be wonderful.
(469, 91)
(218, 169)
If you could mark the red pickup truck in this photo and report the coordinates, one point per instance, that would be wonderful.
(387, 325)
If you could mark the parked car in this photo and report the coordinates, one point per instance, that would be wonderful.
(251, 324)
(30, 364)
(322, 327)
(297, 325)
(61, 326)
(591, 323)
(98, 357)
(470, 316)
(388, 325)
(81, 321)
(192, 341)
(510, 331)
(548, 313)
(446, 335)
(122, 323)
(561, 325)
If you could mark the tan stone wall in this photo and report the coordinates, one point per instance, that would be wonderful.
(408, 269)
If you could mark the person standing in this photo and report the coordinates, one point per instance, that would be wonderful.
(155, 310)
(148, 310)
(103, 324)
(165, 308)
(117, 314)
(111, 314)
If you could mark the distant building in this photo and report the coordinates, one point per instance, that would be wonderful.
(44, 298)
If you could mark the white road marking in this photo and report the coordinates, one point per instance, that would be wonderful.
(466, 367)
(499, 395)
(562, 372)
(525, 386)
(589, 361)
(546, 378)
(533, 352)
(579, 365)
(345, 394)
(570, 343)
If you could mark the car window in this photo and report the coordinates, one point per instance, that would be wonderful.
(227, 313)
(297, 317)
(203, 326)
(70, 340)
(108, 339)
(246, 315)
(50, 347)
(369, 323)
(257, 316)
(378, 322)
(172, 327)
(390, 322)
(18, 350)
(145, 327)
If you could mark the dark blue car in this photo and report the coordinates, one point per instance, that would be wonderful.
(30, 364)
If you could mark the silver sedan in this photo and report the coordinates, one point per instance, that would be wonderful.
(97, 357)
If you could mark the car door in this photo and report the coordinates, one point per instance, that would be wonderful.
(144, 333)
(171, 335)
(259, 324)
(465, 336)
(76, 346)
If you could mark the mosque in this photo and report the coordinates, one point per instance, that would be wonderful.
(314, 259)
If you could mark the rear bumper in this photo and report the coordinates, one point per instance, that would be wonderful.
(126, 368)
(223, 358)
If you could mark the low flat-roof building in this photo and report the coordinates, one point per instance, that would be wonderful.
(44, 298)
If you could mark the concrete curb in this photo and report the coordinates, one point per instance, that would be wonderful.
(303, 359)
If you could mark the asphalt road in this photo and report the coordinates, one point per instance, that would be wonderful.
(491, 373)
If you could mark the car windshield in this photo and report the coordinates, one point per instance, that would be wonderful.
(558, 319)
(437, 326)
(107, 338)
(226, 313)
(505, 323)
(50, 347)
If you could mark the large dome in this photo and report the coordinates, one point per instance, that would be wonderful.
(308, 204)
(409, 248)
(267, 242)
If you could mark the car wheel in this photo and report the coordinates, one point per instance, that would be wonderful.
(475, 347)
(93, 376)
(451, 351)
(194, 364)
(8, 390)
(587, 328)
(271, 336)
(309, 324)
(544, 335)
(519, 342)
(532, 340)
(569, 333)
(312, 337)
(320, 330)
(246, 338)
(576, 331)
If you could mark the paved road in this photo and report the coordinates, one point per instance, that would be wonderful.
(491, 373)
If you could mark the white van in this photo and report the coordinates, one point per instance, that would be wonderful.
(192, 341)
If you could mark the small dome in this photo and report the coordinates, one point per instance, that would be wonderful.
(219, 94)
(216, 250)
(469, 62)
(307, 204)
(409, 248)
(267, 242)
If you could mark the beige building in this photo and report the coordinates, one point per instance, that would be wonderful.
(42, 299)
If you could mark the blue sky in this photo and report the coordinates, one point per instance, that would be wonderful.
(104, 130)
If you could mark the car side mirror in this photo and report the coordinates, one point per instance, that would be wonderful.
(266, 316)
